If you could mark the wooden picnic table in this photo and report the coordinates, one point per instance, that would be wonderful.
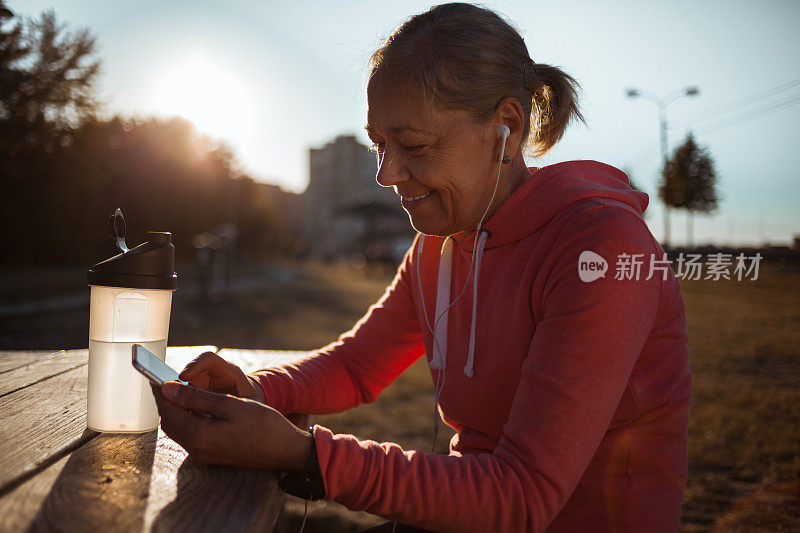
(56, 474)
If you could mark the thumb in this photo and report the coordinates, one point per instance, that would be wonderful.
(195, 399)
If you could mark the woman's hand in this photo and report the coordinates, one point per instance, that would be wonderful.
(211, 372)
(234, 432)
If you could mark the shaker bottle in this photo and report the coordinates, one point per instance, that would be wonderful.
(131, 297)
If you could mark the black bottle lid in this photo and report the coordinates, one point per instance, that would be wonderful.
(151, 265)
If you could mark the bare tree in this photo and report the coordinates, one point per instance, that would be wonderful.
(689, 182)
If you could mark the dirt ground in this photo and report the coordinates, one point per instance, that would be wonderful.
(744, 341)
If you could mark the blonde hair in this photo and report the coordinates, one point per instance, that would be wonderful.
(468, 58)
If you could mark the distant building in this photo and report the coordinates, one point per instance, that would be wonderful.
(346, 211)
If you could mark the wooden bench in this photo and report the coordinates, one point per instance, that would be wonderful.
(55, 474)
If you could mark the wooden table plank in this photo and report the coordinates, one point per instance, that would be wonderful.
(9, 360)
(141, 482)
(56, 474)
(47, 419)
(252, 360)
(42, 421)
(179, 356)
(41, 369)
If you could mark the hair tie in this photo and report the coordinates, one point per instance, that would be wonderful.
(524, 76)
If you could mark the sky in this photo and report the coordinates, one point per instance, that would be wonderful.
(275, 78)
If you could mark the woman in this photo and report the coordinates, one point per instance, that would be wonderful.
(565, 375)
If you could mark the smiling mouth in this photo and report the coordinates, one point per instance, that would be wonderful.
(415, 198)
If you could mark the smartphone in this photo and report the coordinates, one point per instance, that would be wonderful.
(153, 368)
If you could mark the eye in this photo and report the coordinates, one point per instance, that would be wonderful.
(377, 149)
(413, 150)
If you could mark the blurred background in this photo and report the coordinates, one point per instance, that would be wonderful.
(238, 127)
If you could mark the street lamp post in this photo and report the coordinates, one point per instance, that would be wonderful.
(662, 102)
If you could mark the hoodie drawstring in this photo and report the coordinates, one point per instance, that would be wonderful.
(439, 359)
(484, 234)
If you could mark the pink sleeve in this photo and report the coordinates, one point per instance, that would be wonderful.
(357, 367)
(578, 365)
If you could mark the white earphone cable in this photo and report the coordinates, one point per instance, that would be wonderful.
(442, 375)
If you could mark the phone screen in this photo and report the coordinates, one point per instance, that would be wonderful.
(151, 366)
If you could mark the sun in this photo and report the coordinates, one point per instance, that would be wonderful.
(207, 95)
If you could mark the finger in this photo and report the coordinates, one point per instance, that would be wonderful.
(195, 399)
(181, 425)
(164, 406)
(158, 396)
(190, 368)
(202, 380)
(207, 361)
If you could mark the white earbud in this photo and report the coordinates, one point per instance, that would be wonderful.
(504, 133)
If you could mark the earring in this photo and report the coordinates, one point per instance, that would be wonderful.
(506, 160)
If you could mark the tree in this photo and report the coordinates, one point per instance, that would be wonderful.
(63, 171)
(46, 84)
(689, 182)
(47, 78)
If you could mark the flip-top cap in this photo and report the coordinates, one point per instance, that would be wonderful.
(151, 265)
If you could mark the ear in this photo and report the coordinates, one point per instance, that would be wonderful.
(509, 112)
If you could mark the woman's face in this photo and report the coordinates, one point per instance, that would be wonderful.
(441, 163)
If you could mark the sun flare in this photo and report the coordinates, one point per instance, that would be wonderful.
(214, 100)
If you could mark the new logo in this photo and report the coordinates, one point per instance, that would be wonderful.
(591, 266)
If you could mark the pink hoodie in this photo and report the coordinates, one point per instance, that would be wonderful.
(575, 414)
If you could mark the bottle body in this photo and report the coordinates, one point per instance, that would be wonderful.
(119, 399)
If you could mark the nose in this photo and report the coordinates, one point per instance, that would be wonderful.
(391, 170)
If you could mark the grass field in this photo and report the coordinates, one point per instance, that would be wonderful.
(744, 425)
(744, 339)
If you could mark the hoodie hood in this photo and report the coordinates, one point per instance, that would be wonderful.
(532, 205)
(550, 190)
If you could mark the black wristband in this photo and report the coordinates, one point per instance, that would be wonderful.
(306, 483)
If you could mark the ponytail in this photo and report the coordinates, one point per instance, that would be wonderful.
(554, 106)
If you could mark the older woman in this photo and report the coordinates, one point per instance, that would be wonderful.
(553, 327)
